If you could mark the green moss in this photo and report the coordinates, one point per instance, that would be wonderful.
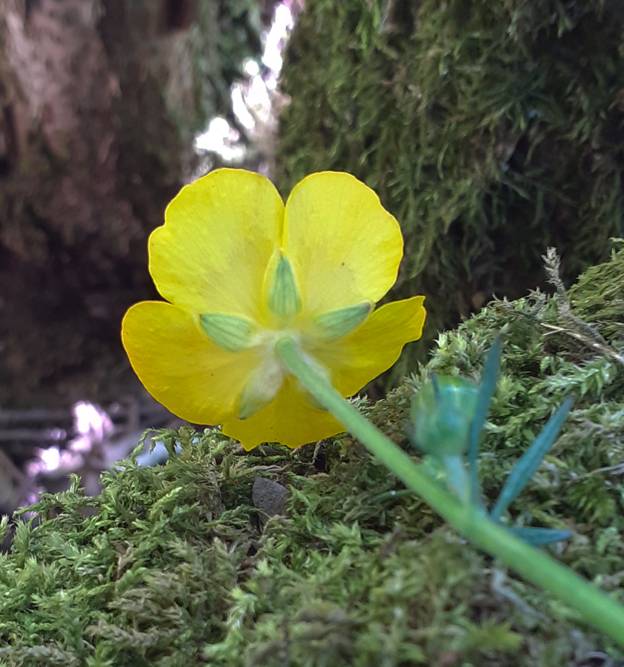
(484, 126)
(598, 295)
(175, 565)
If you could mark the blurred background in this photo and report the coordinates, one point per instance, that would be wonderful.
(490, 130)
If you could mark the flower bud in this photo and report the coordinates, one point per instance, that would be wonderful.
(441, 415)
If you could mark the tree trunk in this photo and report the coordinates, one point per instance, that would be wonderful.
(99, 101)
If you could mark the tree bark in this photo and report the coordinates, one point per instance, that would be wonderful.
(99, 101)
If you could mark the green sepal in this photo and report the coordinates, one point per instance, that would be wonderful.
(261, 388)
(230, 332)
(252, 400)
(338, 323)
(284, 299)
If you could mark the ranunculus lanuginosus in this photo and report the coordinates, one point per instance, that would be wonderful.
(240, 270)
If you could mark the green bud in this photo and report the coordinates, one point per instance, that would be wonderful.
(284, 299)
(230, 332)
(338, 323)
(441, 415)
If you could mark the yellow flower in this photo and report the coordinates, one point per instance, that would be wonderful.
(240, 270)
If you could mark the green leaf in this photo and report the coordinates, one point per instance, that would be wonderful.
(530, 461)
(486, 391)
(540, 536)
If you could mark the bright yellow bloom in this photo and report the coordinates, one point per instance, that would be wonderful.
(240, 270)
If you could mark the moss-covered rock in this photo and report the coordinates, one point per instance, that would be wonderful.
(490, 129)
(176, 565)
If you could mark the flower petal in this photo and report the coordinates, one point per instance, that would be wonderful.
(220, 231)
(361, 356)
(289, 419)
(180, 366)
(345, 247)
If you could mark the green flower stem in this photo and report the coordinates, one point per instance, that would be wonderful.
(591, 604)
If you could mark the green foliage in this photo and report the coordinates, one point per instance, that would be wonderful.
(235, 29)
(442, 412)
(491, 130)
(175, 565)
(598, 296)
(239, 37)
(447, 417)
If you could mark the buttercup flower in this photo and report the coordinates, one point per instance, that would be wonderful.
(240, 270)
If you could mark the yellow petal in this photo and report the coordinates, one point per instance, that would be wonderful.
(344, 246)
(220, 231)
(289, 419)
(356, 359)
(180, 366)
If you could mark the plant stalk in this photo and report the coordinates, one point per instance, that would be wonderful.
(591, 604)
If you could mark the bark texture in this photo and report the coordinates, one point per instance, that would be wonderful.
(99, 101)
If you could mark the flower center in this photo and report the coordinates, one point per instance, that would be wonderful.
(236, 333)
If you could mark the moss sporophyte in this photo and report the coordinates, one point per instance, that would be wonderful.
(242, 271)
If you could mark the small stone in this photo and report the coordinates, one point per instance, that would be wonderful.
(269, 496)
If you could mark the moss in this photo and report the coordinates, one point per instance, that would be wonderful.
(174, 565)
(483, 126)
(598, 296)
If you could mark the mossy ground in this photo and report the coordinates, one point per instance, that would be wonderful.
(175, 565)
(491, 130)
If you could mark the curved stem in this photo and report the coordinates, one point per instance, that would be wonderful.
(591, 604)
